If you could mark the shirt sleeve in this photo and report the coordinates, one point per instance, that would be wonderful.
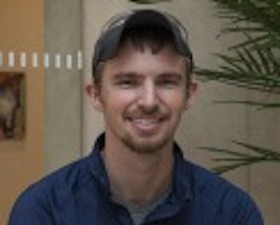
(31, 209)
(248, 213)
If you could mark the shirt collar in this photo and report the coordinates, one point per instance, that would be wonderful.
(96, 164)
(182, 179)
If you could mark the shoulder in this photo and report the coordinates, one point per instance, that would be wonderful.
(206, 181)
(225, 198)
(63, 179)
(68, 178)
(54, 190)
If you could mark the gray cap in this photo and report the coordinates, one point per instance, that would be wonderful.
(108, 42)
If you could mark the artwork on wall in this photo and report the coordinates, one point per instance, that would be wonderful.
(12, 105)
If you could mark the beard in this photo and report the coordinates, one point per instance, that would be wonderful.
(143, 145)
(146, 143)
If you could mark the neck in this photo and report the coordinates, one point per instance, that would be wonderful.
(138, 178)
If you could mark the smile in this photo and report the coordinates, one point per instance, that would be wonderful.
(146, 124)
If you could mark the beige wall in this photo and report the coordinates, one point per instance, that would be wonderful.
(63, 87)
(205, 124)
(21, 162)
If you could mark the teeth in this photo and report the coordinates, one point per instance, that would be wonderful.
(146, 121)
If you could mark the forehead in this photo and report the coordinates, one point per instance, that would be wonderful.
(134, 60)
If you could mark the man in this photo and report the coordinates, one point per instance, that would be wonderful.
(136, 173)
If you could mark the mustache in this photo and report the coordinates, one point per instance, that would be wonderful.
(141, 112)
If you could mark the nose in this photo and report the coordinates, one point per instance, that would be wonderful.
(148, 100)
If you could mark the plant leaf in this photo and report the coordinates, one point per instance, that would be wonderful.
(148, 1)
(260, 105)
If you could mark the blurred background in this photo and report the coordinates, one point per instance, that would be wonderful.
(50, 43)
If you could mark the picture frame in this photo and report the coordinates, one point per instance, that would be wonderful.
(12, 105)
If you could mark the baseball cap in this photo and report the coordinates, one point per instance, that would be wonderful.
(109, 40)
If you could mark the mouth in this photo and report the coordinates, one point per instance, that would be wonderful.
(146, 124)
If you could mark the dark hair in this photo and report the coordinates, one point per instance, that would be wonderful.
(154, 37)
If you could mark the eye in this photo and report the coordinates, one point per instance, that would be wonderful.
(168, 82)
(127, 82)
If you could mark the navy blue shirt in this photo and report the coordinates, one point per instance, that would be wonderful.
(79, 194)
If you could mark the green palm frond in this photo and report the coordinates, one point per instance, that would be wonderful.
(263, 12)
(148, 1)
(232, 159)
(251, 65)
(259, 105)
(248, 80)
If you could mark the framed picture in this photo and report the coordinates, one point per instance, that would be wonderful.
(12, 105)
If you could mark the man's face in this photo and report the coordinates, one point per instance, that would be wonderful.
(142, 96)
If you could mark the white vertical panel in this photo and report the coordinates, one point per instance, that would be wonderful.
(46, 60)
(22, 60)
(11, 59)
(69, 61)
(1, 59)
(79, 60)
(35, 60)
(57, 61)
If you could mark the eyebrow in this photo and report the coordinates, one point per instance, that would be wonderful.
(175, 76)
(133, 75)
(126, 75)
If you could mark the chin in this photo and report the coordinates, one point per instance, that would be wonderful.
(146, 145)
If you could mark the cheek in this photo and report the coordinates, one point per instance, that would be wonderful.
(116, 101)
(176, 101)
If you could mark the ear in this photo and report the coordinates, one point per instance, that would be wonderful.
(192, 87)
(94, 93)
